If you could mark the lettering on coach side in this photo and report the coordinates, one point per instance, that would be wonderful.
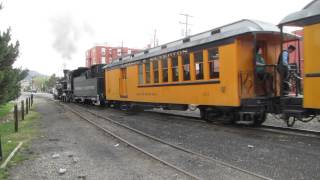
(146, 94)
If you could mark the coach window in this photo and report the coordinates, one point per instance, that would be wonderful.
(155, 71)
(140, 73)
(147, 72)
(186, 67)
(164, 70)
(175, 70)
(214, 63)
(198, 60)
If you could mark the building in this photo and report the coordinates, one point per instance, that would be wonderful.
(296, 55)
(105, 54)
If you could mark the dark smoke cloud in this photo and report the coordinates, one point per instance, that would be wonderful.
(67, 34)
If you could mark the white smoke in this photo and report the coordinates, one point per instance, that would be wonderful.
(67, 33)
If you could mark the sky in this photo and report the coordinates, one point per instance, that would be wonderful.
(57, 32)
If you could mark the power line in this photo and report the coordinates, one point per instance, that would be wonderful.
(186, 23)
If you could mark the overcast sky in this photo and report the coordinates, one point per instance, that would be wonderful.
(54, 32)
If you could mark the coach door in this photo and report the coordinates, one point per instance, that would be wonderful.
(123, 83)
(312, 66)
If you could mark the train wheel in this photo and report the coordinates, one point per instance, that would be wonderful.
(205, 115)
(258, 119)
(230, 118)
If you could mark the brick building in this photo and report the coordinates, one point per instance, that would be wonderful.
(105, 54)
(294, 57)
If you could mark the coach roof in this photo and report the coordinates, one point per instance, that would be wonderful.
(218, 34)
(308, 15)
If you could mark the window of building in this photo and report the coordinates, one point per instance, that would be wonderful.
(103, 60)
(140, 73)
(175, 69)
(186, 66)
(103, 51)
(155, 72)
(129, 51)
(198, 59)
(214, 63)
(164, 70)
(147, 72)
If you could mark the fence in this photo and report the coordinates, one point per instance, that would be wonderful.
(24, 110)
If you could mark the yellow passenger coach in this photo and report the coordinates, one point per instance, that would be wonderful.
(309, 19)
(214, 71)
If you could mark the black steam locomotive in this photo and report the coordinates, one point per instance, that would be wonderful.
(84, 85)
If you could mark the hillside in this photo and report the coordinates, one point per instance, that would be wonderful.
(33, 74)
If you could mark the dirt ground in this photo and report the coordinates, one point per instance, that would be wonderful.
(87, 153)
(68, 143)
(273, 155)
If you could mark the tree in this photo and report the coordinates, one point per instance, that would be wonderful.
(9, 76)
(44, 83)
(39, 82)
(51, 82)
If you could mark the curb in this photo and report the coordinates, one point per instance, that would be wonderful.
(11, 156)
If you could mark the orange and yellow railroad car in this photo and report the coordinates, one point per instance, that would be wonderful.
(309, 19)
(214, 71)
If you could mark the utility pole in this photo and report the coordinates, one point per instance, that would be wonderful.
(121, 48)
(155, 39)
(186, 23)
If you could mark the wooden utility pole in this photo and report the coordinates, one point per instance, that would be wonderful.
(155, 38)
(186, 23)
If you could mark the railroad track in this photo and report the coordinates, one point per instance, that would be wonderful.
(171, 147)
(267, 128)
(188, 174)
(287, 130)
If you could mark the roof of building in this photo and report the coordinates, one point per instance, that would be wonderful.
(308, 15)
(217, 34)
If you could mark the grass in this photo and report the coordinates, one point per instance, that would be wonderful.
(5, 109)
(28, 129)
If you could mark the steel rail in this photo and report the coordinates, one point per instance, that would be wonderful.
(295, 131)
(266, 128)
(177, 147)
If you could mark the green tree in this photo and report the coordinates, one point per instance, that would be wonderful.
(51, 81)
(9, 76)
(39, 82)
(44, 83)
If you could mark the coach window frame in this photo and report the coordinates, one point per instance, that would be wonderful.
(148, 71)
(140, 74)
(199, 64)
(165, 70)
(175, 68)
(155, 71)
(214, 63)
(186, 58)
